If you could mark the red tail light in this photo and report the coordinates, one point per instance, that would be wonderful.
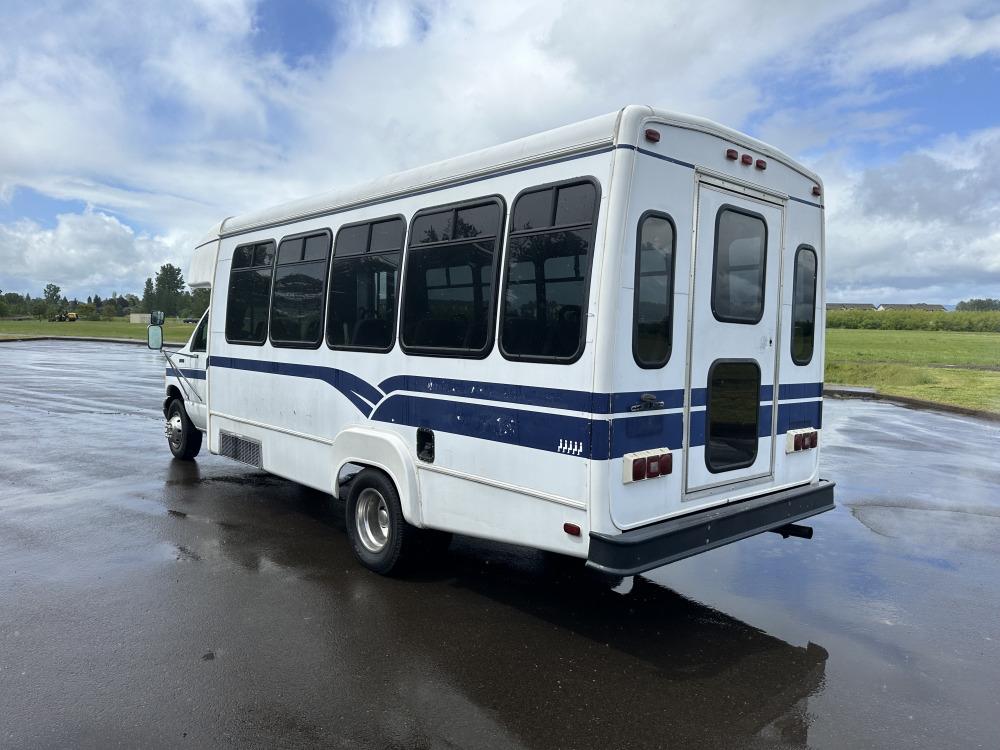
(647, 465)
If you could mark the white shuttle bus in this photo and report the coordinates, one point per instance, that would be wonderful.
(605, 341)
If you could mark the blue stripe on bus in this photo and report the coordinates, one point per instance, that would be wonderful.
(189, 374)
(559, 433)
(356, 390)
(500, 424)
(800, 390)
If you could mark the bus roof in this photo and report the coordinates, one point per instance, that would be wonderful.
(603, 132)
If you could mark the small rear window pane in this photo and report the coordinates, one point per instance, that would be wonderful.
(432, 227)
(533, 211)
(387, 235)
(575, 204)
(263, 254)
(733, 409)
(290, 251)
(243, 257)
(351, 240)
(478, 221)
(317, 247)
(740, 254)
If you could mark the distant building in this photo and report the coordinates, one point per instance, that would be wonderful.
(849, 306)
(915, 306)
(139, 318)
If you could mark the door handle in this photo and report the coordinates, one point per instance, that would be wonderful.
(647, 401)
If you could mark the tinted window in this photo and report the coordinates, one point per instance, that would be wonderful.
(548, 266)
(448, 298)
(249, 294)
(199, 342)
(733, 407)
(740, 253)
(804, 305)
(387, 235)
(299, 291)
(654, 272)
(363, 284)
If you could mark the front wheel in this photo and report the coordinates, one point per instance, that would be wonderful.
(183, 437)
(380, 537)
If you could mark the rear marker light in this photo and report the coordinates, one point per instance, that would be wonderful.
(760, 164)
(653, 136)
(646, 465)
(816, 190)
(638, 469)
(746, 159)
(732, 154)
(801, 440)
(572, 529)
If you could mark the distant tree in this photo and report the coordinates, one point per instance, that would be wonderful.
(197, 302)
(52, 294)
(40, 308)
(97, 301)
(87, 311)
(90, 300)
(168, 288)
(148, 296)
(978, 305)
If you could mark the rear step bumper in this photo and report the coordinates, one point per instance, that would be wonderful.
(665, 542)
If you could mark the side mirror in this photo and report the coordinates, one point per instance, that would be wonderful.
(154, 337)
(156, 318)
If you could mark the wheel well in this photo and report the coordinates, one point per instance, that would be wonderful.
(172, 392)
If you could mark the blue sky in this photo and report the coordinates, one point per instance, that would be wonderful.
(129, 129)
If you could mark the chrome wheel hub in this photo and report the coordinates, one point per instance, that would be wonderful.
(174, 431)
(371, 518)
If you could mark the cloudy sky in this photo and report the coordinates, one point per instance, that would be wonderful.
(125, 133)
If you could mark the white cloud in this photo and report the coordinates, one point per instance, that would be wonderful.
(165, 116)
(84, 252)
(923, 228)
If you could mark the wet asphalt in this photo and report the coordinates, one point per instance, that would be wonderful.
(146, 602)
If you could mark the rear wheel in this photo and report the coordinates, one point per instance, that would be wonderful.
(183, 437)
(380, 537)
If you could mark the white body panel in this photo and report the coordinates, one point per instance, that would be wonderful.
(522, 448)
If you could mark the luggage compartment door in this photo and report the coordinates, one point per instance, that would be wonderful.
(733, 339)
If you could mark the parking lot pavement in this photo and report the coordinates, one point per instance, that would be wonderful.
(153, 603)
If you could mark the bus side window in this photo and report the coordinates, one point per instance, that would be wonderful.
(249, 293)
(300, 290)
(199, 342)
(363, 285)
(449, 295)
(548, 272)
(804, 305)
(654, 290)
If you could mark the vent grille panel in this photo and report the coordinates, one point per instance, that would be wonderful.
(241, 449)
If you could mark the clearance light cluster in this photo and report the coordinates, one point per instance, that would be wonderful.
(800, 440)
(746, 159)
(646, 465)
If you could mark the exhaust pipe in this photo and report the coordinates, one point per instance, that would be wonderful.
(794, 529)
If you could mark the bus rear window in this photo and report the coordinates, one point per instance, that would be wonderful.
(804, 305)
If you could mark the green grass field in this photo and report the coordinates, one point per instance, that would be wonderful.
(956, 368)
(946, 367)
(118, 328)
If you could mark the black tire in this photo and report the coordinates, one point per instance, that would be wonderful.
(381, 539)
(183, 437)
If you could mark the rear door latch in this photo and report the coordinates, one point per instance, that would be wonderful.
(646, 402)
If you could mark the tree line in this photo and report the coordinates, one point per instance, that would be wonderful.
(164, 291)
(986, 321)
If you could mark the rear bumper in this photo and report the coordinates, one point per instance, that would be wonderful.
(665, 542)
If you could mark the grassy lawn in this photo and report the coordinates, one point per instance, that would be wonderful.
(961, 369)
(118, 328)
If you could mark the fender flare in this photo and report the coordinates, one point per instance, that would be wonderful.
(385, 451)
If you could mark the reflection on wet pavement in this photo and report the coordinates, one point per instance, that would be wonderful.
(159, 603)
